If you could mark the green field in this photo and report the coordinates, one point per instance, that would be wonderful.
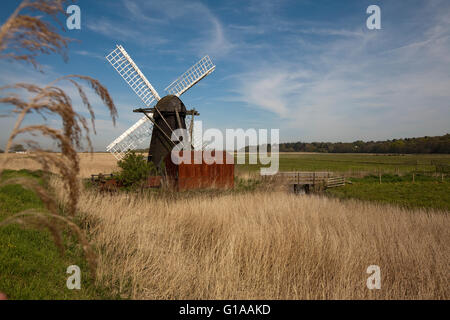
(424, 192)
(31, 266)
(397, 187)
(354, 163)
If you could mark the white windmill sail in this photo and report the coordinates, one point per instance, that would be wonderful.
(193, 75)
(138, 133)
(142, 129)
(186, 81)
(129, 71)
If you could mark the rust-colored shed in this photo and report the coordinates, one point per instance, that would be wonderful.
(187, 176)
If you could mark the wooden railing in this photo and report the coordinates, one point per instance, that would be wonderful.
(335, 182)
(326, 179)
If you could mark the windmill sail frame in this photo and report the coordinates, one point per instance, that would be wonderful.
(193, 75)
(133, 76)
(122, 62)
(131, 138)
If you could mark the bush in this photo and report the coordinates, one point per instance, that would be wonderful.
(135, 169)
(18, 148)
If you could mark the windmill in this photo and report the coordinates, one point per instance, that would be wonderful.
(161, 115)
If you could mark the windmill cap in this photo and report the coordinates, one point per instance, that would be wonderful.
(171, 103)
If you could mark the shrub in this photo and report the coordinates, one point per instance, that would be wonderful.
(18, 148)
(135, 169)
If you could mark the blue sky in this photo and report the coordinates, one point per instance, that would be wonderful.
(308, 67)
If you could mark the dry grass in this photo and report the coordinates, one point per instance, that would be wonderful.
(23, 37)
(265, 245)
(89, 163)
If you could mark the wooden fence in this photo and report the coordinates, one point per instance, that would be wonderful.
(325, 179)
(335, 182)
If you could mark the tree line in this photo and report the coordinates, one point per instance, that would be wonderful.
(437, 144)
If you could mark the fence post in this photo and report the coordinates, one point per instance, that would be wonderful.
(414, 177)
(379, 175)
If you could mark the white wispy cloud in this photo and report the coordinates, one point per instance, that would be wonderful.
(89, 54)
(247, 29)
(146, 23)
(118, 30)
(135, 9)
(216, 43)
(209, 35)
(368, 85)
(271, 89)
(332, 32)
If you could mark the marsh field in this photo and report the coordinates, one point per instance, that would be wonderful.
(255, 242)
(350, 163)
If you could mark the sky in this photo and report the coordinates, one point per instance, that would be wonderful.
(310, 68)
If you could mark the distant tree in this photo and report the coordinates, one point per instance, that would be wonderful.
(18, 148)
(397, 146)
(439, 144)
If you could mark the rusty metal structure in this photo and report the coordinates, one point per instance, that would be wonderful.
(202, 175)
(105, 182)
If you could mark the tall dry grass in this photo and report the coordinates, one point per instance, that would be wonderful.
(265, 245)
(23, 37)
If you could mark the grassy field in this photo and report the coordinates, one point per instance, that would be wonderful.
(265, 245)
(31, 266)
(425, 191)
(353, 164)
(248, 244)
(397, 186)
